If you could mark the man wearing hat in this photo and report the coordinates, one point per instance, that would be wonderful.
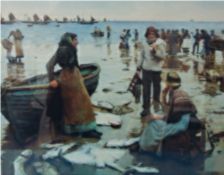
(154, 50)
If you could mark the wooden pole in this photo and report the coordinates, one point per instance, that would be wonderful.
(27, 87)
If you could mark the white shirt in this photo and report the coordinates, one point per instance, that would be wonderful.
(150, 62)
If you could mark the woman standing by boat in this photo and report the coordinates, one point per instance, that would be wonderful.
(78, 116)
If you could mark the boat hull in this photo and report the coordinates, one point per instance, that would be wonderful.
(23, 108)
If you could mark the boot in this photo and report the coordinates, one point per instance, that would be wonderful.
(92, 134)
(145, 112)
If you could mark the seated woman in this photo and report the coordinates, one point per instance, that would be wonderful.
(77, 113)
(158, 129)
(180, 121)
(185, 144)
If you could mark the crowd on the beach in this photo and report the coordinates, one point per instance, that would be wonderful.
(72, 113)
(175, 38)
(73, 116)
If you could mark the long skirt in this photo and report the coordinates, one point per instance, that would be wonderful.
(78, 115)
(19, 49)
(157, 130)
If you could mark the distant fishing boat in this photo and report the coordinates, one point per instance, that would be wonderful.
(97, 34)
(29, 25)
(35, 22)
(87, 22)
(7, 22)
(23, 105)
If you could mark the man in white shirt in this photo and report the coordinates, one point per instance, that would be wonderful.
(154, 50)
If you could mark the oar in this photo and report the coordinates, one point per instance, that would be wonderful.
(28, 87)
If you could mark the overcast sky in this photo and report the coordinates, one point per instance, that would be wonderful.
(118, 10)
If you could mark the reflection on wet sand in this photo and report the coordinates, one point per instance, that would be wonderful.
(15, 72)
(109, 51)
(125, 58)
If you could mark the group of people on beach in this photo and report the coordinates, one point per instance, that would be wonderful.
(69, 108)
(8, 45)
(180, 121)
(174, 40)
(72, 116)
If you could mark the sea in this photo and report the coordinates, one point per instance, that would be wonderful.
(40, 41)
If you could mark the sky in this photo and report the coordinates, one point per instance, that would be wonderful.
(118, 10)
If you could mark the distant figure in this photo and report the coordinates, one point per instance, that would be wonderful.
(108, 31)
(206, 38)
(197, 38)
(122, 37)
(213, 35)
(136, 35)
(18, 37)
(125, 36)
(173, 42)
(163, 34)
(7, 45)
(222, 35)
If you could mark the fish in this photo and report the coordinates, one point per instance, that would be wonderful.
(91, 154)
(103, 105)
(144, 169)
(19, 162)
(50, 146)
(107, 119)
(57, 150)
(45, 168)
(116, 167)
(122, 142)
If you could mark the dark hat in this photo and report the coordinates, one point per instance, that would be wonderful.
(173, 79)
(151, 30)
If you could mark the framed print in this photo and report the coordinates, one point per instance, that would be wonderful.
(112, 87)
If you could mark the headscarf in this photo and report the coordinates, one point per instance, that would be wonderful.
(66, 39)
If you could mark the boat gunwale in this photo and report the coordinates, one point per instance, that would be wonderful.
(22, 87)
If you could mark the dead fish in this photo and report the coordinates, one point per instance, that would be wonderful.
(50, 146)
(120, 110)
(144, 169)
(115, 166)
(93, 155)
(122, 142)
(103, 105)
(45, 168)
(80, 156)
(57, 151)
(115, 143)
(107, 119)
(19, 162)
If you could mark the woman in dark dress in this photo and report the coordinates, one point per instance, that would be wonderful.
(77, 113)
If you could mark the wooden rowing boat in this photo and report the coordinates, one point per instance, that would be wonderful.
(23, 105)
